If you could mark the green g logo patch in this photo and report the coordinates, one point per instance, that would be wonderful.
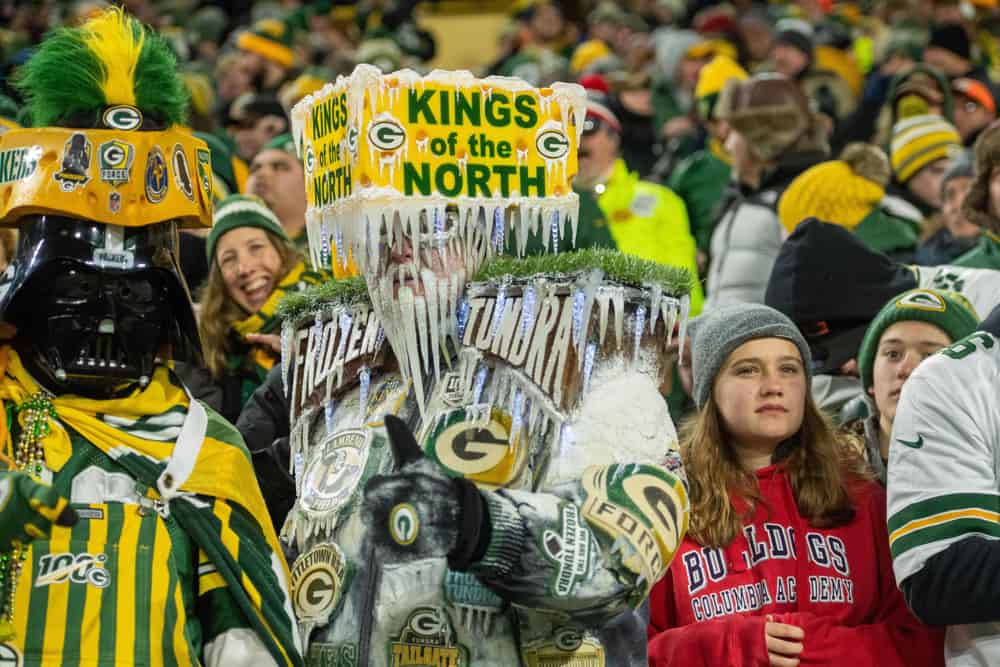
(205, 172)
(122, 117)
(552, 144)
(386, 135)
(404, 525)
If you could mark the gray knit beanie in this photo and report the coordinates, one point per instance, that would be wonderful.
(716, 334)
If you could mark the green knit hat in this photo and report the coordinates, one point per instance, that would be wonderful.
(271, 39)
(237, 211)
(282, 142)
(949, 311)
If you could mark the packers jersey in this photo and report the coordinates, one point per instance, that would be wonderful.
(944, 471)
(124, 586)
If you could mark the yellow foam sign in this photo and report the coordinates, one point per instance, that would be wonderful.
(112, 176)
(447, 134)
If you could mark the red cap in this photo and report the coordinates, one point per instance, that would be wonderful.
(595, 82)
(598, 111)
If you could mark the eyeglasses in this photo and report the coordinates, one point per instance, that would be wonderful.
(591, 125)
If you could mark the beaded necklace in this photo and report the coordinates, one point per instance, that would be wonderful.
(29, 456)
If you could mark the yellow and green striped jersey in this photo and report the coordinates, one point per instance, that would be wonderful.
(124, 586)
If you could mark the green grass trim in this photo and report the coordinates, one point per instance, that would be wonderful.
(626, 269)
(347, 291)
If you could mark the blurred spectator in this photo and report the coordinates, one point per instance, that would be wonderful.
(950, 51)
(908, 329)
(277, 177)
(757, 35)
(982, 204)
(849, 192)
(957, 234)
(975, 108)
(619, 210)
(307, 83)
(254, 120)
(268, 55)
(605, 22)
(792, 50)
(921, 151)
(206, 29)
(201, 109)
(253, 265)
(774, 136)
(232, 78)
(701, 178)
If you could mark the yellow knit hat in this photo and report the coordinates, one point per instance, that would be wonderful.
(712, 78)
(919, 140)
(841, 191)
(587, 54)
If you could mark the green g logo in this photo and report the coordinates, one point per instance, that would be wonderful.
(386, 135)
(552, 144)
(404, 526)
(122, 117)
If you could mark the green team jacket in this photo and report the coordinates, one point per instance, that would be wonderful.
(889, 234)
(127, 585)
(700, 181)
(984, 255)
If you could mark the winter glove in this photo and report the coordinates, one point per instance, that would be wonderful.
(28, 510)
(419, 512)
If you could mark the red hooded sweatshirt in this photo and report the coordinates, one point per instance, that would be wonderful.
(834, 583)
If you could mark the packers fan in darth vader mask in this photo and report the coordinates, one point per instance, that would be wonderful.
(95, 289)
(132, 530)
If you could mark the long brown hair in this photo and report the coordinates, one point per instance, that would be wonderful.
(218, 311)
(819, 464)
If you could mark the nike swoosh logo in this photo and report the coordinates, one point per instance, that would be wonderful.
(915, 444)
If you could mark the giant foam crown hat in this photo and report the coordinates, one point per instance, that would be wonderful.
(105, 102)
(388, 153)
(106, 162)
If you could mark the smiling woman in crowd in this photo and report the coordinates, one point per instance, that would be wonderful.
(787, 559)
(252, 267)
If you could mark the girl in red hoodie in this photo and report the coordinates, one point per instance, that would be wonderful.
(787, 559)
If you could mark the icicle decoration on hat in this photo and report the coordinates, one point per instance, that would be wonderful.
(424, 178)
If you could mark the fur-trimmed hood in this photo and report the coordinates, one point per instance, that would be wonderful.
(977, 203)
(773, 115)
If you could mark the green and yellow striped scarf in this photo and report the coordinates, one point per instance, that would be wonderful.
(224, 511)
(264, 320)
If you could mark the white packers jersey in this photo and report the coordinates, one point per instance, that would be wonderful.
(980, 286)
(944, 472)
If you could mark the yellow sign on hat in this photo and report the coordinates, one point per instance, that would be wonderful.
(126, 178)
(448, 134)
(374, 144)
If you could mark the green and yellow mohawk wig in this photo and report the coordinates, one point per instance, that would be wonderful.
(110, 60)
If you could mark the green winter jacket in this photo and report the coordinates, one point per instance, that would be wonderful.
(984, 255)
(700, 181)
(889, 234)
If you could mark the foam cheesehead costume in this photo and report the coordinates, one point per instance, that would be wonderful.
(530, 424)
(413, 174)
(97, 189)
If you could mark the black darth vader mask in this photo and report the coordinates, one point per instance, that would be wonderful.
(95, 305)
